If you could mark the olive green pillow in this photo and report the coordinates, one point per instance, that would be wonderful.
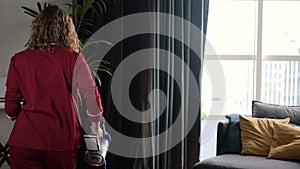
(286, 142)
(257, 134)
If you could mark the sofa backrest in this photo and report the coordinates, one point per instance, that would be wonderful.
(264, 110)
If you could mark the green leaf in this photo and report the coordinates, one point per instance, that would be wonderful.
(96, 42)
(96, 12)
(90, 61)
(108, 71)
(39, 6)
(80, 11)
(79, 97)
(86, 32)
(33, 15)
(28, 10)
(75, 12)
(84, 23)
(105, 62)
(87, 4)
(96, 76)
(46, 4)
(70, 6)
(104, 5)
(99, 65)
(95, 61)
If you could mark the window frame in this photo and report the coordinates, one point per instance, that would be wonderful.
(258, 57)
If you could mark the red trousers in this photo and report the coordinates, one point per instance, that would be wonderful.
(35, 159)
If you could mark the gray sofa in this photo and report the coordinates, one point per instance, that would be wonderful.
(237, 161)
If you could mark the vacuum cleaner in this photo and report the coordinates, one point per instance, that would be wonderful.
(96, 148)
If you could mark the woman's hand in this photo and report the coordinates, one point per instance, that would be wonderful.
(96, 129)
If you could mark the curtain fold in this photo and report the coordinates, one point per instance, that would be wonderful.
(163, 89)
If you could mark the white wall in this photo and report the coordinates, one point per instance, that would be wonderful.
(14, 32)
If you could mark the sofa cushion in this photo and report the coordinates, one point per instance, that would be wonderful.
(235, 161)
(256, 134)
(264, 110)
(285, 143)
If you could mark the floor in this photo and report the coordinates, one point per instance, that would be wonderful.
(208, 140)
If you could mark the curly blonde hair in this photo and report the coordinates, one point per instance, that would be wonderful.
(53, 26)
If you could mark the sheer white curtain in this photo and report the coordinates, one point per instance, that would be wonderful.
(152, 101)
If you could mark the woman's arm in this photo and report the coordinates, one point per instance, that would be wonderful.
(13, 95)
(89, 91)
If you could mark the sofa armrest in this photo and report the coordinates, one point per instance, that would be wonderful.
(222, 132)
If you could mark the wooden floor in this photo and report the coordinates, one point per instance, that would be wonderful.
(5, 129)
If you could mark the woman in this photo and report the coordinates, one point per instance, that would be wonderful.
(47, 133)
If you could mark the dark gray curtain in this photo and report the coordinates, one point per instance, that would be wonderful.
(175, 61)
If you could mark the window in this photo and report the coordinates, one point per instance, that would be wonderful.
(281, 52)
(231, 32)
(281, 28)
(281, 84)
(259, 59)
(234, 22)
(257, 44)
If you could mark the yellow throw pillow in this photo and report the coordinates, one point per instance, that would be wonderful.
(256, 134)
(286, 142)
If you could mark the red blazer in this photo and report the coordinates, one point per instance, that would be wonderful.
(46, 80)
